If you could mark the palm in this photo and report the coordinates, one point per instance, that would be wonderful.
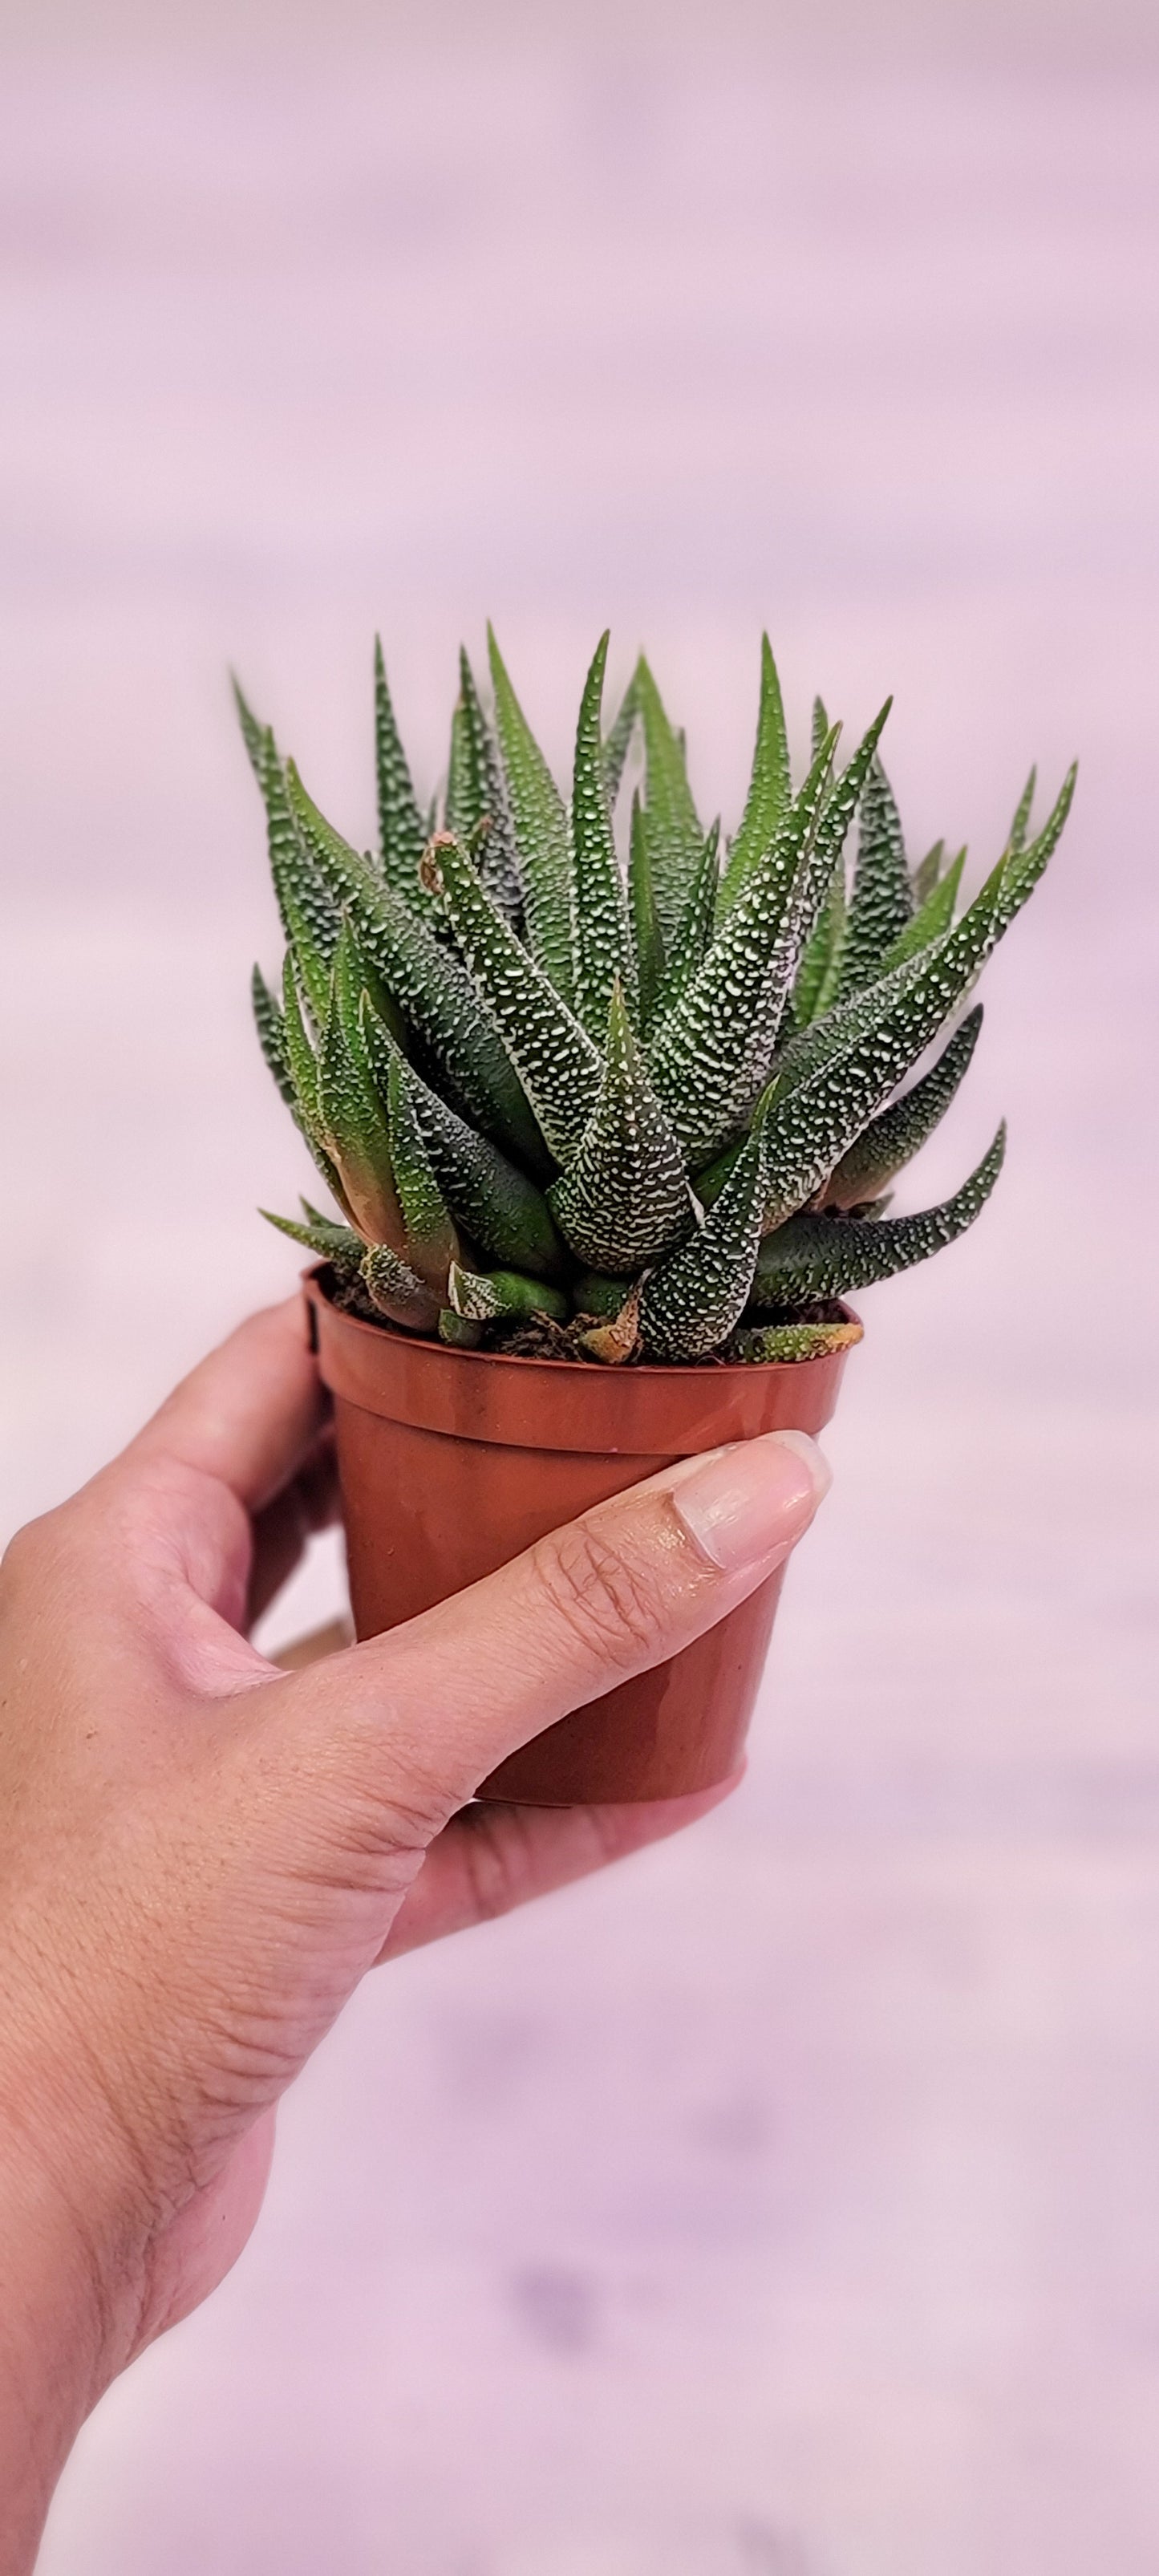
(292, 1953)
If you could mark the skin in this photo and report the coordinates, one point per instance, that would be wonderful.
(200, 1856)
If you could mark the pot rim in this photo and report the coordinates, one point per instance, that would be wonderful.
(320, 1274)
(652, 1412)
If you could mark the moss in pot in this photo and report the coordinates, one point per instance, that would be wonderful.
(608, 1141)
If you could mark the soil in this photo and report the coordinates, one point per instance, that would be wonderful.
(538, 1337)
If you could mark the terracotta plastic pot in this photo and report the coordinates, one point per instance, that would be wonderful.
(452, 1461)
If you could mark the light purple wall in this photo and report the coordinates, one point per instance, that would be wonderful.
(789, 2202)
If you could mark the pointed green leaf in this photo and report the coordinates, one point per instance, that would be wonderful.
(624, 1198)
(304, 1076)
(702, 1055)
(927, 924)
(462, 812)
(401, 833)
(313, 962)
(675, 839)
(1024, 867)
(430, 985)
(837, 812)
(770, 790)
(819, 972)
(828, 1256)
(711, 1056)
(819, 727)
(557, 1064)
(927, 873)
(708, 1183)
(765, 1343)
(839, 1073)
(336, 1244)
(366, 975)
(396, 1290)
(498, 852)
(461, 1331)
(299, 1051)
(594, 1294)
(822, 890)
(882, 901)
(253, 733)
(1022, 813)
(694, 934)
(272, 1037)
(349, 1111)
(695, 1296)
(309, 912)
(646, 930)
(348, 993)
(602, 947)
(493, 1201)
(825, 908)
(836, 1075)
(539, 821)
(891, 1140)
(617, 743)
(530, 1296)
(483, 1295)
(472, 1296)
(431, 1242)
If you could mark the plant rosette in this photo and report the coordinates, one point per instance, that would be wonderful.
(609, 1133)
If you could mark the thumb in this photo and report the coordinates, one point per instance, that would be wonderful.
(418, 1717)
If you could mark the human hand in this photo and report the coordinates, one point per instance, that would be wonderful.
(200, 1856)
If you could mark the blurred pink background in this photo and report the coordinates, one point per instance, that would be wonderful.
(788, 2202)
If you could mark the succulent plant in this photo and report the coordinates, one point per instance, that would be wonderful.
(640, 1107)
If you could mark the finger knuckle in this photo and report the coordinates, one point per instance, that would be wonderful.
(34, 1555)
(22, 1556)
(602, 1592)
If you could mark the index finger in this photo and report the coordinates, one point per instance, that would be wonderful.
(249, 1413)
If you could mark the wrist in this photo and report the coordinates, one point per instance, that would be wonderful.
(59, 2340)
(49, 2354)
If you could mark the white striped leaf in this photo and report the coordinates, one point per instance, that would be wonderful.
(831, 1256)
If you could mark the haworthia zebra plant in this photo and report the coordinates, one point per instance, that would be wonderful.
(642, 1108)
